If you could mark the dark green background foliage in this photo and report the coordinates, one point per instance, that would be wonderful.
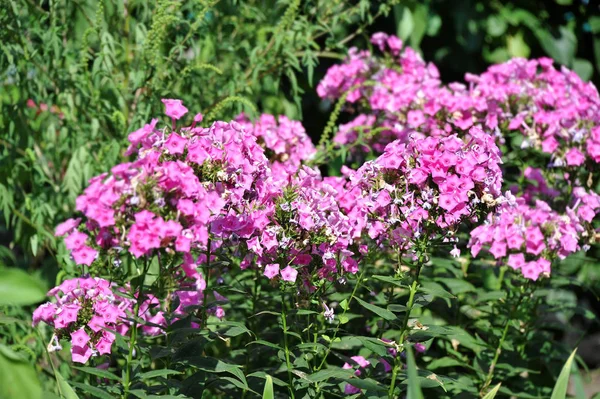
(97, 71)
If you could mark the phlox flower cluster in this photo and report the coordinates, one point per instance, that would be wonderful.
(385, 90)
(308, 230)
(555, 111)
(194, 194)
(426, 187)
(88, 312)
(182, 188)
(285, 142)
(529, 237)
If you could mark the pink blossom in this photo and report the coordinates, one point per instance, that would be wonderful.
(287, 274)
(80, 338)
(271, 270)
(174, 108)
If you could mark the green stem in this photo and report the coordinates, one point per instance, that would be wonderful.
(127, 381)
(490, 375)
(285, 345)
(404, 331)
(133, 337)
(338, 326)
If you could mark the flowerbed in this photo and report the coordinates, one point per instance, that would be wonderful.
(221, 257)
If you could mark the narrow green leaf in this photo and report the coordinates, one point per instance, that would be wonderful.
(157, 373)
(65, 389)
(435, 289)
(265, 343)
(414, 387)
(560, 389)
(94, 391)
(492, 394)
(99, 373)
(381, 312)
(390, 280)
(268, 391)
(332, 372)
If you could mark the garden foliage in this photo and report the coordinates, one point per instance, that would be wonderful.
(424, 246)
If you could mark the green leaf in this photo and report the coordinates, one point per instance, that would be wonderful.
(446, 362)
(434, 25)
(157, 373)
(268, 391)
(597, 52)
(496, 25)
(381, 312)
(64, 388)
(332, 372)
(263, 375)
(344, 304)
(420, 18)
(232, 369)
(374, 345)
(19, 288)
(457, 286)
(560, 389)
(265, 343)
(92, 390)
(235, 331)
(406, 23)
(367, 384)
(516, 46)
(304, 312)
(594, 24)
(435, 289)
(492, 394)
(390, 280)
(583, 68)
(561, 48)
(414, 388)
(18, 379)
(99, 373)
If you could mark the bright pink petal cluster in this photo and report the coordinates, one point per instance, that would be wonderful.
(529, 237)
(285, 142)
(427, 187)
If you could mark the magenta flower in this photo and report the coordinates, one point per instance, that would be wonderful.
(75, 240)
(81, 354)
(174, 108)
(271, 270)
(175, 144)
(288, 274)
(80, 337)
(84, 255)
(66, 226)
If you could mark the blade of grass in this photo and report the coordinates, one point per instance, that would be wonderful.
(560, 389)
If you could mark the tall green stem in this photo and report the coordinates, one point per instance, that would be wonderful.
(343, 314)
(285, 345)
(490, 375)
(404, 331)
(133, 337)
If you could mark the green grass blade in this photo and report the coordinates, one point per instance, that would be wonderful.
(492, 394)
(560, 389)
